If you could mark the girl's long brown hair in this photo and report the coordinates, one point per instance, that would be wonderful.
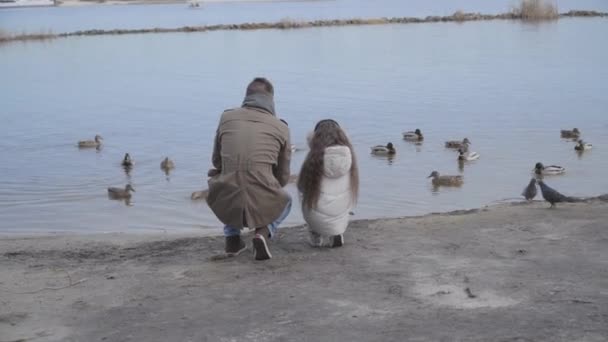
(327, 133)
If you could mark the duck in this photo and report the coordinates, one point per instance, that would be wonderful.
(381, 150)
(127, 161)
(550, 170)
(530, 191)
(570, 134)
(439, 180)
(91, 143)
(119, 193)
(582, 146)
(458, 144)
(199, 195)
(167, 164)
(413, 136)
(467, 156)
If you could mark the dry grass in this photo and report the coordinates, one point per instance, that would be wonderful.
(288, 22)
(5, 36)
(536, 10)
(459, 16)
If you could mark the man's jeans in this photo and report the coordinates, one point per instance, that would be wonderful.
(273, 227)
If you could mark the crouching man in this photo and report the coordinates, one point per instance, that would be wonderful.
(251, 158)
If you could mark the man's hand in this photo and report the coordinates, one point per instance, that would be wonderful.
(213, 172)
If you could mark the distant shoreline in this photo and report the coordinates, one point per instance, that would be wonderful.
(79, 3)
(294, 24)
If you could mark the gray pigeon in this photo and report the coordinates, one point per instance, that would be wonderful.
(530, 191)
(553, 196)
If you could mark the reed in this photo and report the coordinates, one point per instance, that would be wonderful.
(5, 36)
(536, 10)
(459, 16)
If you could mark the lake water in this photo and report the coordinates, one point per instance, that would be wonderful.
(508, 86)
(65, 19)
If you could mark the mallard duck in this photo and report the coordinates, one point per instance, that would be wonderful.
(91, 143)
(119, 193)
(530, 191)
(387, 150)
(413, 136)
(199, 195)
(573, 134)
(550, 170)
(582, 146)
(446, 180)
(167, 164)
(127, 161)
(458, 144)
(467, 156)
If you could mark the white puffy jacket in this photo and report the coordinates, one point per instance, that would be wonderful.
(331, 215)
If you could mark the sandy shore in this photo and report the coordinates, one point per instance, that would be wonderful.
(506, 273)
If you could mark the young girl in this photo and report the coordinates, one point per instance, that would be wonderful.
(328, 184)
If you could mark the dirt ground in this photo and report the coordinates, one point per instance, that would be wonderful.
(508, 273)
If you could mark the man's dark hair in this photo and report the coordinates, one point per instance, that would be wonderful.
(260, 85)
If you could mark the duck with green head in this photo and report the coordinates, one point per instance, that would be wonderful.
(464, 155)
(381, 150)
(413, 136)
(550, 170)
(127, 161)
(582, 146)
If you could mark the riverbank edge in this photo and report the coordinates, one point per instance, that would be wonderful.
(150, 235)
(287, 24)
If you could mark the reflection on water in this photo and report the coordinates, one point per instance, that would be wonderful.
(388, 159)
(580, 154)
(510, 96)
(167, 173)
(127, 201)
(461, 165)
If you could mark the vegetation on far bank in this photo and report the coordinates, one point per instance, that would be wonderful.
(6, 36)
(536, 10)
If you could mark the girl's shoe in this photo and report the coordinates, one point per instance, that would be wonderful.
(337, 241)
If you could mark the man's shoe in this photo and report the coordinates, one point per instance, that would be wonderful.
(338, 241)
(264, 231)
(260, 248)
(234, 245)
